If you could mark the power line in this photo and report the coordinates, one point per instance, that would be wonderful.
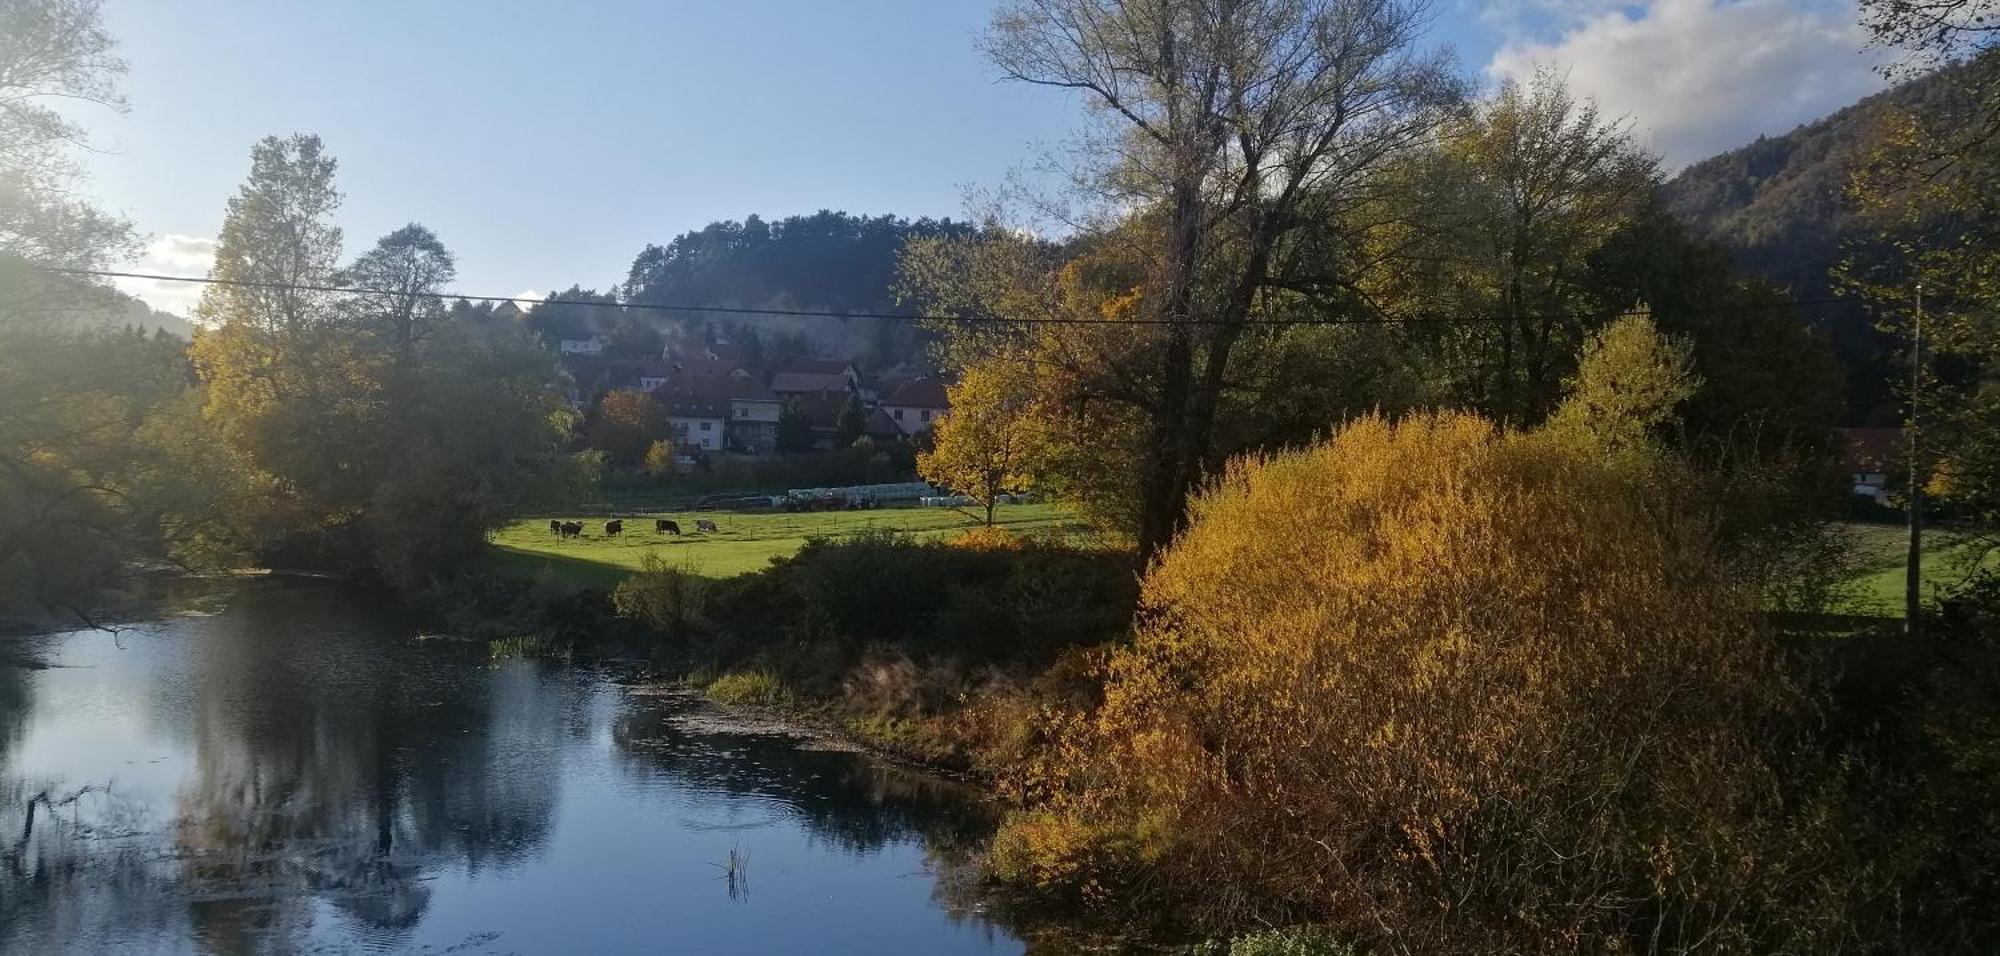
(919, 317)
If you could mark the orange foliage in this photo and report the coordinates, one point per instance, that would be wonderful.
(1474, 690)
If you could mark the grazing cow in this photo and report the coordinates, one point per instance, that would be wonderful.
(705, 525)
(572, 529)
(555, 527)
(663, 526)
(614, 527)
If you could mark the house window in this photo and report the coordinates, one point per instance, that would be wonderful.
(707, 426)
(899, 414)
(927, 414)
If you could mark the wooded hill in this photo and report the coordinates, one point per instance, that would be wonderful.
(1780, 207)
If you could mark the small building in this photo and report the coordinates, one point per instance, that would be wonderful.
(698, 423)
(594, 345)
(1868, 454)
(917, 406)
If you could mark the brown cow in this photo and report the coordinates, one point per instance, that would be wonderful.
(572, 529)
(664, 526)
(555, 527)
(614, 527)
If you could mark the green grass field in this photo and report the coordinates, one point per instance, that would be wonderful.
(742, 542)
(1948, 560)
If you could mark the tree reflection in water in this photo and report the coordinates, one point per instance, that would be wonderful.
(301, 769)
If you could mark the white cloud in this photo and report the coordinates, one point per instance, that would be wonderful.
(174, 256)
(1696, 77)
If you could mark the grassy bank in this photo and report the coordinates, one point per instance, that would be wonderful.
(742, 543)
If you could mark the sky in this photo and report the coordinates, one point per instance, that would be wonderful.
(547, 143)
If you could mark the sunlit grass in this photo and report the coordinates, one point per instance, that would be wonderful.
(1881, 549)
(742, 543)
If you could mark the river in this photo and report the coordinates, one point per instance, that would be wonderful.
(301, 772)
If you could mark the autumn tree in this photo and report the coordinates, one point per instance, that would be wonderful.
(1225, 122)
(626, 423)
(1628, 387)
(986, 447)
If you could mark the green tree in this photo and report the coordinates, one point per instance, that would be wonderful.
(1499, 224)
(795, 430)
(394, 431)
(852, 423)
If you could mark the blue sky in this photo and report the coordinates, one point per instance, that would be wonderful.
(547, 143)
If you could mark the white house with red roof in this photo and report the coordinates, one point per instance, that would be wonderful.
(915, 406)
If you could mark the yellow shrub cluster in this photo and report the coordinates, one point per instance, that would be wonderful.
(1437, 683)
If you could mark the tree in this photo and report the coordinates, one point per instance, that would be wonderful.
(408, 268)
(1498, 225)
(1228, 121)
(627, 423)
(986, 447)
(53, 51)
(76, 399)
(390, 431)
(277, 240)
(794, 429)
(1627, 388)
(852, 423)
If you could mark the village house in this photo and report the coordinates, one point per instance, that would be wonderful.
(750, 411)
(594, 345)
(1867, 454)
(916, 406)
(814, 376)
(698, 423)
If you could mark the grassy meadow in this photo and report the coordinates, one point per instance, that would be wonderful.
(742, 543)
(1880, 550)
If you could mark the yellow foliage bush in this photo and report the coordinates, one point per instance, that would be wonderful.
(1434, 682)
(988, 538)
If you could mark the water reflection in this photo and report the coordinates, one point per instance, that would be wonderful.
(299, 772)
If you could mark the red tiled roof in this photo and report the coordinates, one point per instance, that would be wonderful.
(919, 395)
(808, 382)
(813, 367)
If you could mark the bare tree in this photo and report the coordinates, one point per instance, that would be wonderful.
(1228, 118)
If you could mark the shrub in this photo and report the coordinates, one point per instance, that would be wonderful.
(1295, 941)
(667, 598)
(761, 688)
(1475, 690)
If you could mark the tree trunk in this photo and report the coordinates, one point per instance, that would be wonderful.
(1164, 486)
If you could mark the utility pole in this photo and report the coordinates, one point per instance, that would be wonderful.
(1913, 595)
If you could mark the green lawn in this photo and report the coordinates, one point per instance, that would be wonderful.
(742, 542)
(1882, 548)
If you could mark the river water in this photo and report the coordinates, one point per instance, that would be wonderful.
(300, 772)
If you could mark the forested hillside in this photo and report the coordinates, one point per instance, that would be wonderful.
(1780, 206)
(827, 261)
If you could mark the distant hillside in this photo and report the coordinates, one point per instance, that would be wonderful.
(1779, 206)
